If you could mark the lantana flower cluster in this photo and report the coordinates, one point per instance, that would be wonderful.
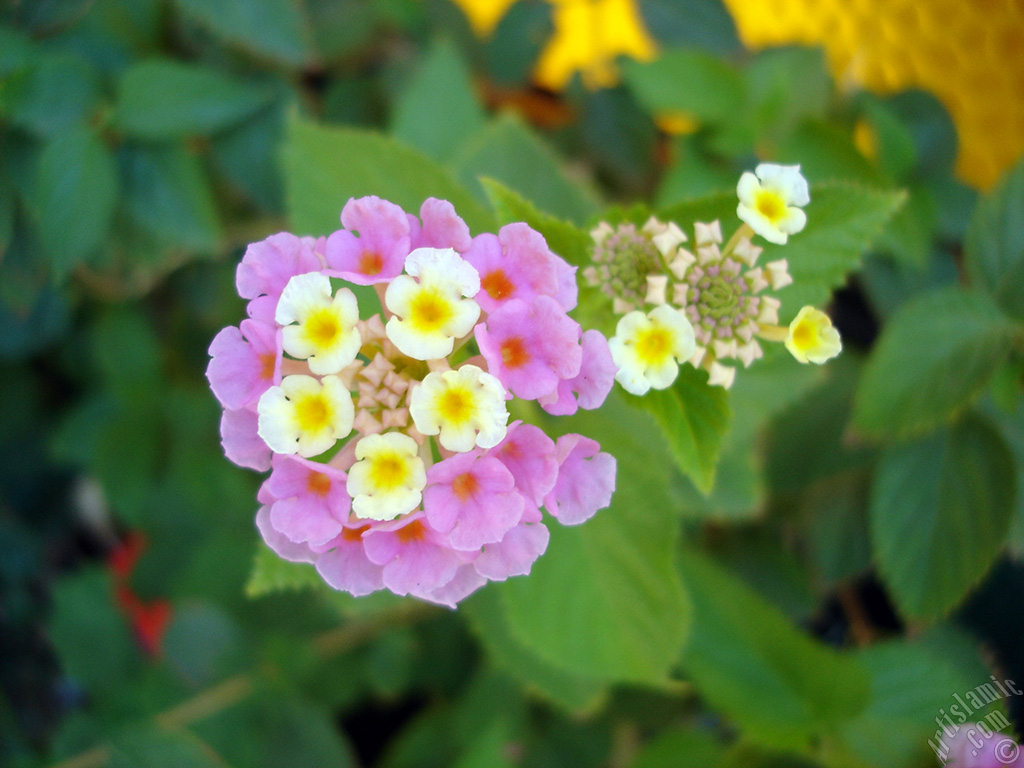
(713, 304)
(384, 417)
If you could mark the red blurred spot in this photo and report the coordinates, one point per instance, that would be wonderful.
(148, 620)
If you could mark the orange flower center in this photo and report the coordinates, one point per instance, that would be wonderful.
(513, 353)
(371, 263)
(412, 532)
(319, 483)
(464, 486)
(497, 284)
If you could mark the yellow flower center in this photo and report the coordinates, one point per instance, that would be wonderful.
(455, 405)
(771, 205)
(322, 328)
(313, 413)
(804, 335)
(389, 471)
(653, 345)
(430, 311)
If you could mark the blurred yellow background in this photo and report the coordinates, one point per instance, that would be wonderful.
(969, 53)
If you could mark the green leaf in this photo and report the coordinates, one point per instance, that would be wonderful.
(168, 194)
(487, 618)
(605, 600)
(324, 167)
(836, 514)
(787, 86)
(274, 729)
(912, 685)
(936, 354)
(233, 151)
(509, 151)
(276, 29)
(161, 99)
(271, 573)
(679, 747)
(58, 93)
(74, 197)
(85, 620)
(152, 747)
(744, 653)
(567, 240)
(689, 81)
(419, 120)
(842, 221)
(995, 243)
(694, 417)
(941, 508)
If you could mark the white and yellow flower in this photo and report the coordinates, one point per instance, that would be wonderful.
(465, 407)
(812, 338)
(304, 415)
(388, 477)
(649, 348)
(318, 328)
(771, 201)
(429, 314)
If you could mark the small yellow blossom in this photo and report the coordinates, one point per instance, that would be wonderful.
(649, 348)
(305, 416)
(466, 407)
(431, 313)
(388, 477)
(771, 200)
(318, 328)
(812, 338)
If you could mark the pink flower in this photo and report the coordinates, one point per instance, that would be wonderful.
(515, 554)
(970, 747)
(377, 254)
(416, 559)
(241, 443)
(515, 264)
(529, 455)
(311, 502)
(473, 499)
(268, 265)
(568, 291)
(589, 388)
(465, 581)
(442, 227)
(284, 547)
(244, 363)
(430, 514)
(586, 480)
(346, 567)
(531, 347)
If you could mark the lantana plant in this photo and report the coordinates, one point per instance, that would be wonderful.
(711, 303)
(384, 418)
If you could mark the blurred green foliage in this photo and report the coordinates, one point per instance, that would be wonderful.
(778, 578)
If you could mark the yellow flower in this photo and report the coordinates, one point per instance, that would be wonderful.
(388, 477)
(647, 349)
(589, 36)
(812, 338)
(484, 15)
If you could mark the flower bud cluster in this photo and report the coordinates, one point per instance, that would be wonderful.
(384, 419)
(713, 303)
